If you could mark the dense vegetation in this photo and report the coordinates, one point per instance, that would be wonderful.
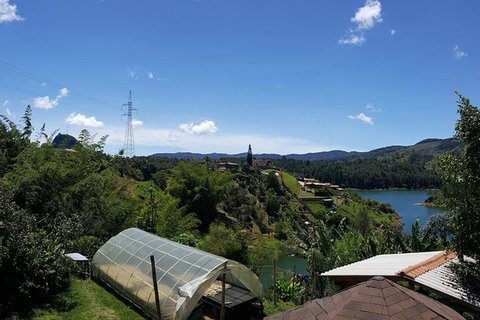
(461, 176)
(56, 200)
(401, 170)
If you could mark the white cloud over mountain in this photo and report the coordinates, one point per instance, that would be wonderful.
(203, 128)
(82, 120)
(47, 103)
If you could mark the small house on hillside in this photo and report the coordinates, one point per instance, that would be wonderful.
(328, 202)
(262, 163)
(228, 166)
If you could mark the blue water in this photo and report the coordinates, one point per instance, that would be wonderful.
(403, 201)
(285, 266)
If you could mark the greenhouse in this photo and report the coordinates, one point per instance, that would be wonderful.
(186, 276)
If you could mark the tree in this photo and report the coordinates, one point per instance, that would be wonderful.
(250, 155)
(225, 242)
(273, 182)
(198, 189)
(32, 264)
(162, 215)
(461, 181)
(13, 140)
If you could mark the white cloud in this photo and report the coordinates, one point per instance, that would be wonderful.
(175, 139)
(6, 102)
(362, 117)
(63, 93)
(370, 107)
(9, 113)
(203, 128)
(150, 75)
(137, 123)
(82, 120)
(458, 54)
(8, 12)
(44, 103)
(44, 84)
(368, 15)
(132, 73)
(47, 103)
(365, 18)
(355, 38)
(392, 32)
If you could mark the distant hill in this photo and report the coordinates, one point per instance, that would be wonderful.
(216, 156)
(424, 147)
(64, 141)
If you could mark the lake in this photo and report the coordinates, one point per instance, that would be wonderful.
(403, 201)
(285, 266)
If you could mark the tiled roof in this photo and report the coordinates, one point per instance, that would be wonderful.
(376, 299)
(427, 265)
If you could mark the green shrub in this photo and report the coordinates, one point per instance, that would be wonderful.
(32, 266)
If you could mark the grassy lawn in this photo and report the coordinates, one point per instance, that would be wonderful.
(86, 300)
(316, 205)
(351, 210)
(292, 184)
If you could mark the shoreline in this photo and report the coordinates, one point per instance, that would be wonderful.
(427, 204)
(391, 189)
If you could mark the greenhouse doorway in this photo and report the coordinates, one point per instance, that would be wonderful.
(240, 303)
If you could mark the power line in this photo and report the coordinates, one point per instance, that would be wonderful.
(65, 104)
(41, 79)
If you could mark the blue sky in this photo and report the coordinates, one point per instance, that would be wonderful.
(217, 75)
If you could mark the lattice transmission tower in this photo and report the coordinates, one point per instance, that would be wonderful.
(129, 143)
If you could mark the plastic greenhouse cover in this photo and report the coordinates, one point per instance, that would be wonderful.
(183, 273)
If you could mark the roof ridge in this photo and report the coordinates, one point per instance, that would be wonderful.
(427, 265)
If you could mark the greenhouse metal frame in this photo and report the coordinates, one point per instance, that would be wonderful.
(183, 273)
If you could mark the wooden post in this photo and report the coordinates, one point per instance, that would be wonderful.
(294, 279)
(314, 283)
(222, 309)
(274, 283)
(155, 287)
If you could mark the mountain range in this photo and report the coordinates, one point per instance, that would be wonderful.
(424, 147)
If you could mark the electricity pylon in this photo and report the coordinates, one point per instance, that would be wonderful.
(129, 143)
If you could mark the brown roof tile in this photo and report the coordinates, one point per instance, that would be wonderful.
(427, 265)
(394, 308)
(375, 299)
